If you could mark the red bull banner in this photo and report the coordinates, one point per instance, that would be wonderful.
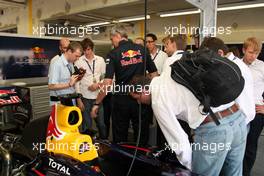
(22, 57)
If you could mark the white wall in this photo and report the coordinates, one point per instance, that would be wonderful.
(249, 23)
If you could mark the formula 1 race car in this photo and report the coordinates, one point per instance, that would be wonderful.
(53, 146)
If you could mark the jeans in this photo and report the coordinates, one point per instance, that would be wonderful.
(87, 119)
(220, 148)
(256, 126)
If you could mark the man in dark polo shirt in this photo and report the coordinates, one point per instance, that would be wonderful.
(124, 61)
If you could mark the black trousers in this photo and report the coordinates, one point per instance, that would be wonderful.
(256, 126)
(126, 109)
(107, 104)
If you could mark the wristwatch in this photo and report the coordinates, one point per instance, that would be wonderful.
(96, 104)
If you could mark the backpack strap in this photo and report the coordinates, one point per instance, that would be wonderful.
(215, 119)
(207, 108)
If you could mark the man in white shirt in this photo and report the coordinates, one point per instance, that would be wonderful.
(212, 143)
(89, 86)
(216, 148)
(157, 55)
(251, 49)
(174, 47)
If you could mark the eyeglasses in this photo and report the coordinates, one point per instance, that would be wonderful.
(149, 41)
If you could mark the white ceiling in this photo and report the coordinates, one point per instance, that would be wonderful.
(118, 11)
(129, 10)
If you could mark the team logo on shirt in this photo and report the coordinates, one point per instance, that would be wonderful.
(130, 53)
(131, 57)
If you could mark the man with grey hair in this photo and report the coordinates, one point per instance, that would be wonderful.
(118, 33)
(124, 61)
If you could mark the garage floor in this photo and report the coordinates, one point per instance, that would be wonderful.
(258, 169)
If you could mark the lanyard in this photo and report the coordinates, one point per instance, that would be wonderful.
(92, 70)
(69, 68)
(156, 55)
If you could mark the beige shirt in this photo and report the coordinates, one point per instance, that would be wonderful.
(88, 79)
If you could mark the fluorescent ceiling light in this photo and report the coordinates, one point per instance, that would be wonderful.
(180, 13)
(136, 18)
(20, 1)
(92, 17)
(245, 6)
(83, 15)
(97, 24)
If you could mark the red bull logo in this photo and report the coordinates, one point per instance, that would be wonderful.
(130, 53)
(39, 57)
(37, 50)
(135, 57)
(53, 129)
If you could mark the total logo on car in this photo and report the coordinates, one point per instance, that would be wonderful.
(59, 167)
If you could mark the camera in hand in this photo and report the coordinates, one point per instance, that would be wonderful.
(79, 71)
